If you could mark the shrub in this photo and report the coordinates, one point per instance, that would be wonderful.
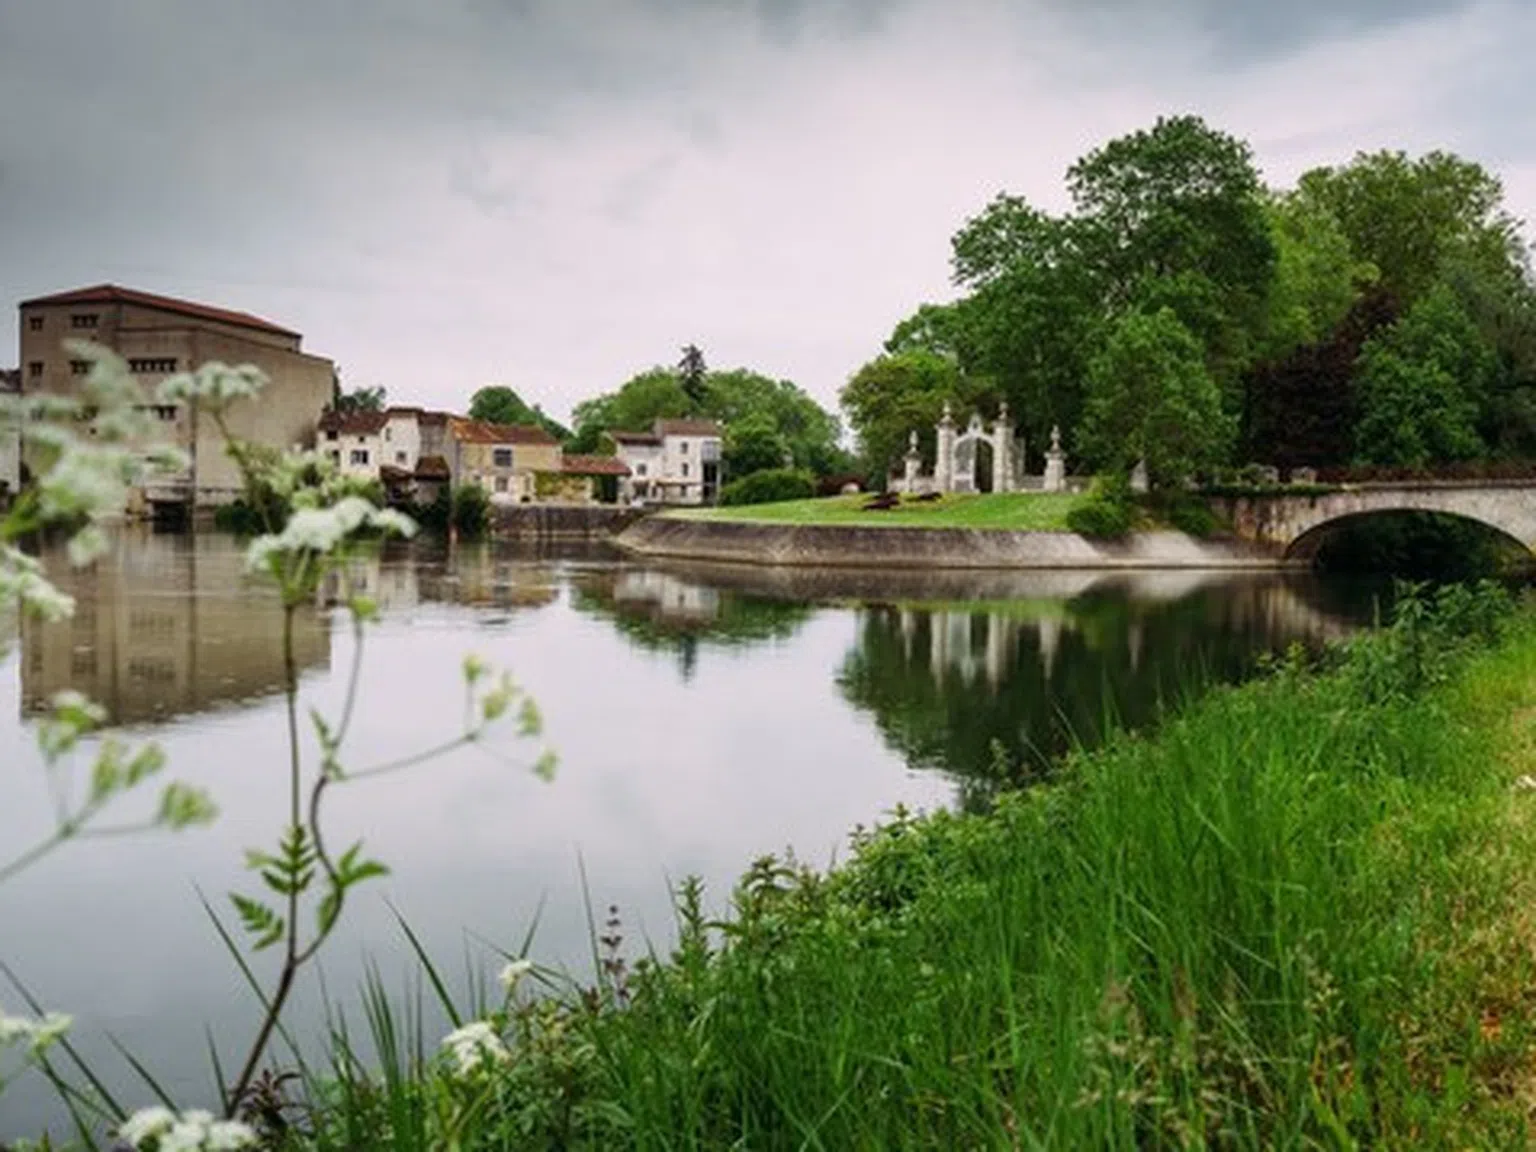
(1191, 515)
(1108, 512)
(471, 510)
(769, 486)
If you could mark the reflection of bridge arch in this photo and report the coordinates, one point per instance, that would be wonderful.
(1295, 524)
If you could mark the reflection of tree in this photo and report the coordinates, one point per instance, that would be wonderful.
(996, 696)
(660, 613)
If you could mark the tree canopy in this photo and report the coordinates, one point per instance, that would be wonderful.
(1381, 310)
(358, 400)
(499, 404)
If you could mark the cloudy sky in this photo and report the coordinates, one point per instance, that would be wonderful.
(554, 194)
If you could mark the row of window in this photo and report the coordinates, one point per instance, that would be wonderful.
(81, 367)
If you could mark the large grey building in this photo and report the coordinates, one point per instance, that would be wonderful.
(159, 336)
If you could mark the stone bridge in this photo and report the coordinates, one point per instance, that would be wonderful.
(1293, 524)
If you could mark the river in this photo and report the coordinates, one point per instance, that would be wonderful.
(702, 716)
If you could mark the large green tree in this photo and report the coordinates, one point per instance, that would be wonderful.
(1317, 280)
(1408, 217)
(1173, 216)
(358, 399)
(1151, 398)
(754, 444)
(895, 395)
(1422, 383)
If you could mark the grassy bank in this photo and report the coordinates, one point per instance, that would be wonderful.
(1010, 511)
(1297, 917)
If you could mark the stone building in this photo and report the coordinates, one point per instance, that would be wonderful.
(676, 462)
(159, 336)
(504, 459)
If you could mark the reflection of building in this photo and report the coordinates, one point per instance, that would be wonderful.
(164, 626)
(160, 336)
(474, 575)
(669, 597)
(677, 462)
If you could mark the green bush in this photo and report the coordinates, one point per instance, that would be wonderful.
(1108, 512)
(769, 487)
(471, 513)
(1190, 515)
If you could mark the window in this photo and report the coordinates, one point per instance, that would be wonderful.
(685, 469)
(501, 483)
(399, 457)
(359, 455)
(35, 323)
(639, 469)
(162, 411)
(83, 320)
(153, 364)
(389, 433)
(35, 368)
(501, 457)
(682, 446)
(79, 367)
(330, 435)
(335, 455)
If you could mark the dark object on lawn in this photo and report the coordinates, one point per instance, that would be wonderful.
(927, 497)
(882, 503)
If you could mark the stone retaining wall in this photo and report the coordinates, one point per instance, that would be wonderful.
(560, 521)
(860, 547)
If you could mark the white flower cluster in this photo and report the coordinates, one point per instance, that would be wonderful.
(161, 1130)
(475, 1048)
(37, 1035)
(322, 530)
(513, 974)
(22, 582)
(214, 385)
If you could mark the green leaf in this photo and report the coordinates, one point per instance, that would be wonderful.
(259, 920)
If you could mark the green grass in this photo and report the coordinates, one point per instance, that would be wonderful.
(1298, 917)
(1010, 511)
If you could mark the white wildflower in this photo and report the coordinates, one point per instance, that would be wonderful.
(88, 545)
(324, 529)
(22, 580)
(193, 1131)
(145, 1124)
(514, 972)
(229, 1135)
(214, 385)
(475, 1047)
(38, 1035)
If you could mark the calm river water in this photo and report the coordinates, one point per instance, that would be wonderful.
(703, 717)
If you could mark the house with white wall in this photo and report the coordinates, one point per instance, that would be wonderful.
(676, 462)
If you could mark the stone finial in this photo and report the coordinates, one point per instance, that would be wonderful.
(1002, 412)
(912, 443)
(1055, 438)
(949, 417)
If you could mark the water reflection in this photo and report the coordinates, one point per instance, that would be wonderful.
(662, 611)
(165, 626)
(993, 692)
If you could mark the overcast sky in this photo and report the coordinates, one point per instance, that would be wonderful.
(554, 194)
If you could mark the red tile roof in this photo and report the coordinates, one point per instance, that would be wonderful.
(689, 427)
(594, 466)
(481, 432)
(353, 423)
(112, 294)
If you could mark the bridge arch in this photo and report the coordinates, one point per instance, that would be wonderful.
(1304, 548)
(1294, 523)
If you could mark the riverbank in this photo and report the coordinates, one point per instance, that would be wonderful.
(1297, 916)
(861, 546)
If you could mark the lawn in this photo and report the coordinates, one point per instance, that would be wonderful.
(1008, 511)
